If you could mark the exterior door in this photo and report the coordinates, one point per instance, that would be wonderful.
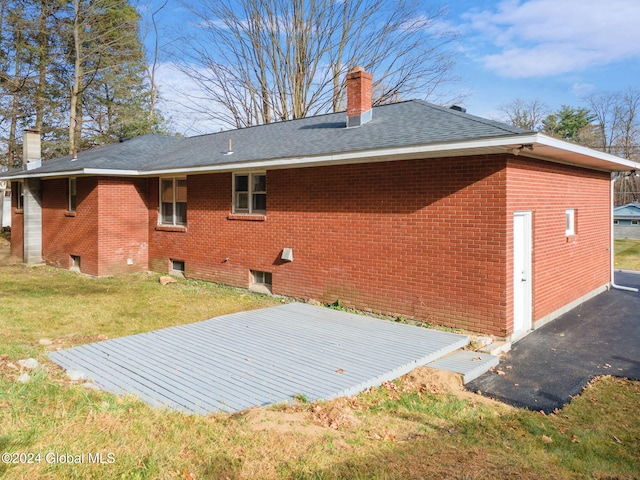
(521, 272)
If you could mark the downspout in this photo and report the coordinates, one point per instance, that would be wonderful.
(614, 177)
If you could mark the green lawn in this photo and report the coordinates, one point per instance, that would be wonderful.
(421, 426)
(627, 254)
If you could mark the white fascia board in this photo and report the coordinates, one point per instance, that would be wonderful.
(491, 145)
(623, 163)
(75, 173)
(384, 154)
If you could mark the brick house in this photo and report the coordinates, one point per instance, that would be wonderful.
(409, 209)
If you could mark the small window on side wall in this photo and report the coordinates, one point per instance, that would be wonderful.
(19, 196)
(72, 194)
(570, 228)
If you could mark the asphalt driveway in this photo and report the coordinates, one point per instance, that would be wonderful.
(552, 364)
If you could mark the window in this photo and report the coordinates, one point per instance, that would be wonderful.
(177, 266)
(250, 193)
(19, 195)
(173, 195)
(634, 222)
(261, 278)
(75, 263)
(616, 222)
(72, 194)
(260, 282)
(570, 228)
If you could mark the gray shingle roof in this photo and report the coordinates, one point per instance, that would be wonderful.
(401, 124)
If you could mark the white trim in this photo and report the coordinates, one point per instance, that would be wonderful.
(570, 219)
(72, 191)
(524, 278)
(174, 202)
(250, 210)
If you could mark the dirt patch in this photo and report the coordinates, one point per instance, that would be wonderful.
(425, 379)
(337, 414)
(322, 418)
(5, 253)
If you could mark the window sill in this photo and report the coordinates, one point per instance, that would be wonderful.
(18, 212)
(69, 214)
(247, 217)
(171, 228)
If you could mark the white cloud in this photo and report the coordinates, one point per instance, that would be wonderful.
(539, 38)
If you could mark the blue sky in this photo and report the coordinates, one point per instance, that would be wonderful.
(555, 51)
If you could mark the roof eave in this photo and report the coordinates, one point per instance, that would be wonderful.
(71, 173)
(544, 148)
(538, 145)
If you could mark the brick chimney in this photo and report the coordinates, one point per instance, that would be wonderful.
(31, 150)
(358, 97)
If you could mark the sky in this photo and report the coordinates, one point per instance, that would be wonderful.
(557, 51)
(554, 51)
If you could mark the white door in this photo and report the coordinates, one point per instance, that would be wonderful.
(521, 272)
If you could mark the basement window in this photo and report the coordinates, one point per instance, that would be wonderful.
(75, 263)
(261, 281)
(570, 216)
(177, 267)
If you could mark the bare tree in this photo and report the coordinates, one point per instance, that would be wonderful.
(523, 114)
(152, 28)
(261, 61)
(618, 126)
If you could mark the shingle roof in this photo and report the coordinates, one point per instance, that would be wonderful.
(396, 125)
(403, 124)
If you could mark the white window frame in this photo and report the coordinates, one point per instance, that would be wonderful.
(570, 222)
(174, 219)
(19, 195)
(72, 197)
(250, 193)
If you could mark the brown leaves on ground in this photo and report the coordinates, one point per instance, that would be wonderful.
(336, 414)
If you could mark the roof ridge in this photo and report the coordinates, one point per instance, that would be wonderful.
(485, 121)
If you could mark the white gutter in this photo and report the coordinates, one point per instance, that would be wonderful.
(614, 177)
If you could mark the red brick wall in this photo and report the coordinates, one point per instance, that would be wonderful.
(124, 235)
(65, 233)
(425, 239)
(108, 227)
(564, 268)
(17, 225)
(422, 239)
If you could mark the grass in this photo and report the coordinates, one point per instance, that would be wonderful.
(421, 426)
(627, 254)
